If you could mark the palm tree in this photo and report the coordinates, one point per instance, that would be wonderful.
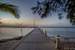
(47, 7)
(9, 8)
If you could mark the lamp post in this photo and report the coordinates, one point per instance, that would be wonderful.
(21, 29)
(20, 26)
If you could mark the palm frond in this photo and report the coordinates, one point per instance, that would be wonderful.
(9, 8)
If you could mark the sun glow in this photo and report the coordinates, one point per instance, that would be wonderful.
(9, 21)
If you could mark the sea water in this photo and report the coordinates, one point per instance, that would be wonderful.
(66, 32)
(6, 33)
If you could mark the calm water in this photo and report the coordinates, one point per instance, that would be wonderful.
(15, 32)
(6, 33)
(66, 32)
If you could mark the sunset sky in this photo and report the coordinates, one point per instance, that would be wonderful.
(26, 16)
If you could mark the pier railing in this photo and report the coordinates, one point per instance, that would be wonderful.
(65, 43)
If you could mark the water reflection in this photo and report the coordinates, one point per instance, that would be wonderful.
(66, 32)
(6, 33)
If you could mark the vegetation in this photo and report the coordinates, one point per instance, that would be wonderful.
(46, 7)
(9, 8)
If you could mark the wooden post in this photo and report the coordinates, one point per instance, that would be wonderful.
(57, 42)
(46, 33)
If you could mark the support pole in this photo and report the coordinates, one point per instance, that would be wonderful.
(57, 42)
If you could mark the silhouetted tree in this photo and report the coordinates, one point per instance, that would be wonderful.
(46, 7)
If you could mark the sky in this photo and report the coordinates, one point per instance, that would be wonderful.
(27, 17)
